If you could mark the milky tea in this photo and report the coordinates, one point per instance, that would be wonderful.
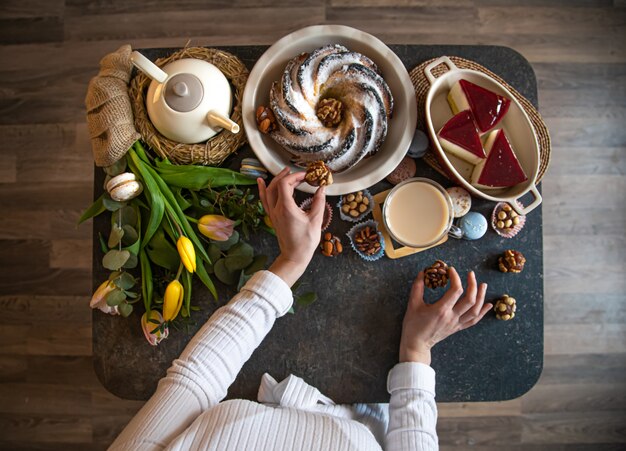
(418, 212)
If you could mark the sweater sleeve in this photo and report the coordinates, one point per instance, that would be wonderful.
(200, 377)
(412, 408)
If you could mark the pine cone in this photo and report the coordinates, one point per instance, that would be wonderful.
(436, 275)
(511, 261)
(505, 308)
(329, 111)
(317, 174)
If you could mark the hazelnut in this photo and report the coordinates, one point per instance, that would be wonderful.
(505, 308)
(511, 261)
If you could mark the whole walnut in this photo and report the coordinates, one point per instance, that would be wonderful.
(329, 111)
(317, 174)
(511, 261)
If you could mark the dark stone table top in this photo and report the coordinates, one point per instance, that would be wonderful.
(346, 342)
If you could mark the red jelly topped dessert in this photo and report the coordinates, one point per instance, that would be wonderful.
(501, 168)
(488, 107)
(459, 137)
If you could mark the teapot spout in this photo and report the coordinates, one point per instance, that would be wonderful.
(219, 120)
(148, 67)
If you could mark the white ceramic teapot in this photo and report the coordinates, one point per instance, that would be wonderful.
(189, 100)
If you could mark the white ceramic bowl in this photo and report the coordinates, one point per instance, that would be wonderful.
(401, 126)
(515, 123)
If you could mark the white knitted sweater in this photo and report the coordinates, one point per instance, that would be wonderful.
(185, 413)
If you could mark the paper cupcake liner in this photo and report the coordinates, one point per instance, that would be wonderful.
(359, 226)
(349, 218)
(328, 212)
(511, 232)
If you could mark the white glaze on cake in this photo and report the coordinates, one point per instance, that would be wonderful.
(331, 71)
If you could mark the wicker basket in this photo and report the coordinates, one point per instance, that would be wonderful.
(214, 151)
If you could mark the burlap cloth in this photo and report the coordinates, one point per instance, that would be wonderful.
(109, 112)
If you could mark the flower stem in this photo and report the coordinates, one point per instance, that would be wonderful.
(180, 270)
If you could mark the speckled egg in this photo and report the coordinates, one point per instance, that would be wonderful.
(473, 225)
(405, 170)
(419, 145)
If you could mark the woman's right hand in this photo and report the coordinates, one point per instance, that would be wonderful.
(298, 231)
(425, 325)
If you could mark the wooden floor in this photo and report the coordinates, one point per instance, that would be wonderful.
(49, 49)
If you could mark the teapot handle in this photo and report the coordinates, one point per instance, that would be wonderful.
(219, 120)
(147, 67)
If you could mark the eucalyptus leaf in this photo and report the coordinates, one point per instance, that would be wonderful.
(223, 274)
(115, 259)
(115, 237)
(225, 245)
(110, 204)
(306, 298)
(116, 168)
(125, 309)
(241, 249)
(115, 297)
(258, 263)
(127, 216)
(132, 262)
(125, 281)
(237, 262)
(243, 278)
(214, 252)
(103, 244)
(130, 235)
(291, 310)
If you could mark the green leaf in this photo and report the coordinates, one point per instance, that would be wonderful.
(306, 298)
(125, 281)
(152, 192)
(184, 203)
(115, 297)
(116, 168)
(199, 177)
(204, 277)
(258, 263)
(131, 262)
(214, 252)
(115, 259)
(128, 216)
(238, 260)
(186, 281)
(129, 236)
(110, 204)
(225, 245)
(116, 236)
(162, 252)
(243, 278)
(223, 274)
(125, 309)
(94, 210)
(291, 310)
(146, 280)
(103, 244)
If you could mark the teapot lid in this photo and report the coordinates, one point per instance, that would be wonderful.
(183, 92)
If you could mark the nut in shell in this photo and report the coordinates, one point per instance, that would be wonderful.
(317, 174)
(265, 119)
(511, 261)
(505, 308)
(330, 112)
(436, 275)
(331, 245)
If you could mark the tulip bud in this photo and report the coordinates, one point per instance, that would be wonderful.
(216, 227)
(187, 253)
(98, 300)
(172, 300)
(155, 332)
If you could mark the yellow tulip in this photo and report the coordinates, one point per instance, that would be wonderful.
(187, 253)
(153, 336)
(172, 300)
(216, 227)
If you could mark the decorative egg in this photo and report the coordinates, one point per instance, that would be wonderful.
(252, 167)
(419, 145)
(473, 225)
(405, 170)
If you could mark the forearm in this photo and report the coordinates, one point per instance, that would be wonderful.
(412, 408)
(200, 378)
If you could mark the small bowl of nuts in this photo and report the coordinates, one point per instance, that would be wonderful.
(355, 206)
(367, 241)
(505, 220)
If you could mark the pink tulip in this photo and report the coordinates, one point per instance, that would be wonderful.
(98, 300)
(153, 336)
(216, 227)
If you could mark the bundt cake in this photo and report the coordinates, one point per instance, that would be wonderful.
(331, 105)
